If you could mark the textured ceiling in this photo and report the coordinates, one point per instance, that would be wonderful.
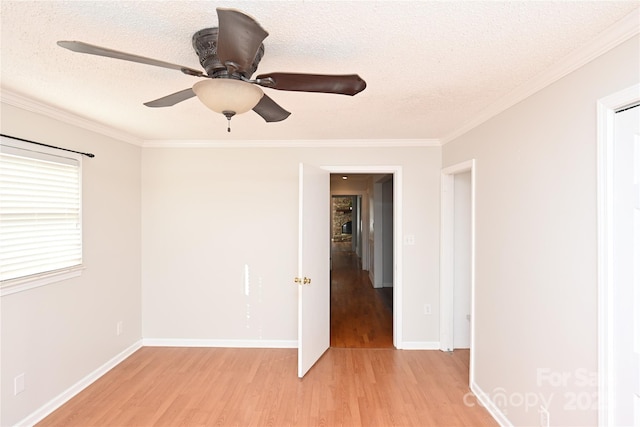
(430, 66)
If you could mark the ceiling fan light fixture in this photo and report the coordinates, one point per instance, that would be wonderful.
(228, 95)
(230, 54)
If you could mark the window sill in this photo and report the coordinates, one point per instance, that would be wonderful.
(21, 284)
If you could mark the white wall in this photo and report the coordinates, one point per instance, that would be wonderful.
(209, 212)
(536, 311)
(58, 334)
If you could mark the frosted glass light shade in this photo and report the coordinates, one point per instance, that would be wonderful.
(228, 95)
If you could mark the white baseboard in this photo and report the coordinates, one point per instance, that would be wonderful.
(420, 345)
(85, 382)
(491, 407)
(180, 342)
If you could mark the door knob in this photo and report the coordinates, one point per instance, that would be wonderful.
(302, 281)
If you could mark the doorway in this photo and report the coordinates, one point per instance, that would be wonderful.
(362, 260)
(457, 259)
(462, 260)
(314, 227)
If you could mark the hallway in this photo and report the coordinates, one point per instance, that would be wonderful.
(361, 316)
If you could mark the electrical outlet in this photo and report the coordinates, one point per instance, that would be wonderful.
(18, 384)
(427, 309)
(119, 328)
(544, 417)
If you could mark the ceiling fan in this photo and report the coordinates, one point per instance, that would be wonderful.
(230, 54)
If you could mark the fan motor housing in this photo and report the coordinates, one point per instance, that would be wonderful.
(205, 43)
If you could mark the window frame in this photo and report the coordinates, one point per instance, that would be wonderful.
(23, 283)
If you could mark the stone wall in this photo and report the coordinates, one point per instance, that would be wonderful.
(341, 207)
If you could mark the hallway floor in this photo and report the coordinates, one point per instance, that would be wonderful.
(361, 316)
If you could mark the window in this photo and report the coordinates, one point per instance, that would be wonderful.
(40, 213)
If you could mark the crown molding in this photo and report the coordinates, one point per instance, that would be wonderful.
(20, 101)
(310, 143)
(615, 35)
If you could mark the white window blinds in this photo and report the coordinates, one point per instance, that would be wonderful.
(40, 211)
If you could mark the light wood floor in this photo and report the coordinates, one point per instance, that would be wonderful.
(259, 387)
(360, 381)
(361, 316)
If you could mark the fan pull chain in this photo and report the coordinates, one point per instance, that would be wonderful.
(228, 115)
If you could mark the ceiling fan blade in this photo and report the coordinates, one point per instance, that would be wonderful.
(270, 111)
(173, 99)
(347, 84)
(82, 47)
(239, 38)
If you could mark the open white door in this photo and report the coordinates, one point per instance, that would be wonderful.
(313, 266)
(619, 258)
(625, 345)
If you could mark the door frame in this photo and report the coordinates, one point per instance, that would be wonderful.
(447, 268)
(606, 110)
(396, 171)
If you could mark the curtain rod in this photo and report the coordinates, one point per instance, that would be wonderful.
(47, 145)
